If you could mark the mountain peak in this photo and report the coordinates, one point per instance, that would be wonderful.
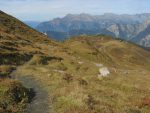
(109, 14)
(79, 17)
(69, 15)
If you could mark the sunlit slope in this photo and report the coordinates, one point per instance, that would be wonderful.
(110, 51)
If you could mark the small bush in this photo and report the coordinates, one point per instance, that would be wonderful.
(14, 58)
(68, 78)
(19, 93)
(83, 82)
(132, 111)
(14, 96)
(5, 70)
(44, 59)
(91, 102)
(145, 102)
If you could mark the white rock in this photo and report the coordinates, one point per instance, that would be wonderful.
(80, 62)
(59, 71)
(45, 33)
(104, 72)
(98, 65)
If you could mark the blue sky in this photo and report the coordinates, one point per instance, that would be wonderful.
(40, 10)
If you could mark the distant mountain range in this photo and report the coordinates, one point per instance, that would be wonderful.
(135, 28)
(32, 24)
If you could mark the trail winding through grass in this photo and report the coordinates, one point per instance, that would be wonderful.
(40, 101)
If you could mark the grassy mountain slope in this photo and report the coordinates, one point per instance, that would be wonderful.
(65, 76)
(18, 44)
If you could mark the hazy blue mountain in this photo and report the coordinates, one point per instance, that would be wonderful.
(57, 35)
(143, 38)
(32, 24)
(123, 26)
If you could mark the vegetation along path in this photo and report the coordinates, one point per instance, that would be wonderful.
(41, 99)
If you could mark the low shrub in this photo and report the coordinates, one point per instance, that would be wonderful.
(67, 77)
(14, 58)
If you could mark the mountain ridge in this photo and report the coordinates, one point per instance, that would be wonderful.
(32, 24)
(122, 26)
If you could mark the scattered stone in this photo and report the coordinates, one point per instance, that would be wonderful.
(68, 77)
(45, 34)
(49, 75)
(103, 72)
(98, 65)
(80, 62)
(126, 72)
